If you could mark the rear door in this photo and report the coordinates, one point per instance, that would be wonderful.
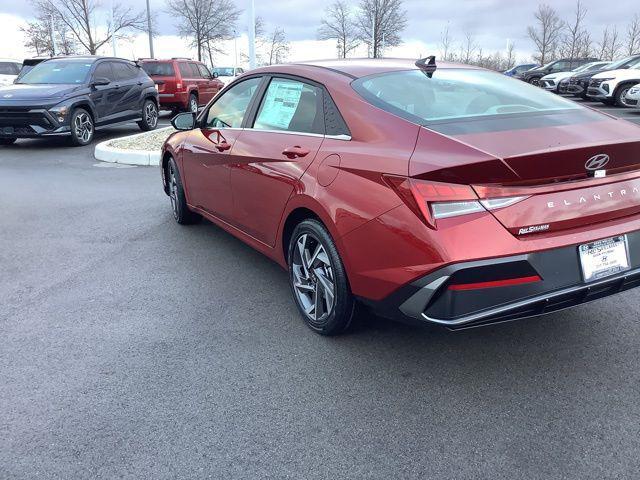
(105, 97)
(130, 86)
(189, 79)
(272, 155)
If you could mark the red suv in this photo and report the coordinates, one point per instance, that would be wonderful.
(439, 194)
(183, 84)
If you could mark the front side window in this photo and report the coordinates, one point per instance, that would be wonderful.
(456, 95)
(58, 72)
(230, 109)
(292, 106)
(204, 71)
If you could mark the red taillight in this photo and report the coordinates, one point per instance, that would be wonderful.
(437, 200)
(496, 283)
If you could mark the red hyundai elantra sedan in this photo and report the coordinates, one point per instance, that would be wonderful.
(438, 194)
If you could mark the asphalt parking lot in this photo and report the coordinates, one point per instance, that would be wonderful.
(131, 347)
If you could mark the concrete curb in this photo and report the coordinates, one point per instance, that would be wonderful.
(106, 153)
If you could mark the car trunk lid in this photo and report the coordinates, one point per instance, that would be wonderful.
(552, 167)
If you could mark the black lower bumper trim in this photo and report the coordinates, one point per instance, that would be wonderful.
(433, 299)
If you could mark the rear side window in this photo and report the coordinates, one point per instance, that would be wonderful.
(185, 70)
(230, 109)
(292, 106)
(124, 71)
(103, 70)
(456, 94)
(158, 69)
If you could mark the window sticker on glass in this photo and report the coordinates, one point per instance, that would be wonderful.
(280, 104)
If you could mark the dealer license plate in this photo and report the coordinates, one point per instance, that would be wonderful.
(604, 258)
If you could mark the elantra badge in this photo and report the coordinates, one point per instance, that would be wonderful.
(597, 162)
(8, 95)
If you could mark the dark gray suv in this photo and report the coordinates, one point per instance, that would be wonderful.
(72, 96)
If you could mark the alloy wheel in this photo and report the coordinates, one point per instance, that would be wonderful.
(193, 104)
(151, 115)
(83, 127)
(623, 96)
(173, 190)
(313, 279)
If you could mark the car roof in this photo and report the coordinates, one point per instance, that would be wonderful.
(356, 68)
(85, 58)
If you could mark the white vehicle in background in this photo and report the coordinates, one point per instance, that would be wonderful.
(228, 74)
(633, 96)
(9, 70)
(611, 87)
(552, 81)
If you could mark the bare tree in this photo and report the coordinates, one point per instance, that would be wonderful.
(47, 36)
(574, 32)
(80, 19)
(546, 33)
(585, 46)
(510, 60)
(338, 25)
(469, 49)
(278, 46)
(610, 45)
(633, 35)
(380, 23)
(446, 45)
(205, 23)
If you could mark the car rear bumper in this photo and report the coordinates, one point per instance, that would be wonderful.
(172, 100)
(436, 298)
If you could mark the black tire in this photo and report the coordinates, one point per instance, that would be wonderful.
(535, 81)
(181, 211)
(193, 103)
(149, 116)
(8, 141)
(82, 127)
(337, 317)
(620, 93)
(608, 101)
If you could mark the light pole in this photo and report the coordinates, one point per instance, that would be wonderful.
(235, 51)
(53, 38)
(149, 30)
(113, 33)
(252, 34)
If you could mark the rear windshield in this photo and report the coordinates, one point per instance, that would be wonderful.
(158, 69)
(58, 72)
(9, 68)
(456, 94)
(224, 71)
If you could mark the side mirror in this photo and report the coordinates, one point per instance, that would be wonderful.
(184, 121)
(100, 82)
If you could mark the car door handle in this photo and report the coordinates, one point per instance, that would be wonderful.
(295, 152)
(223, 146)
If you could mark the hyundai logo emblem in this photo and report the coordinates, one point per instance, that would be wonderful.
(597, 162)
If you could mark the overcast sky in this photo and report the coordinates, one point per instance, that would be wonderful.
(493, 22)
